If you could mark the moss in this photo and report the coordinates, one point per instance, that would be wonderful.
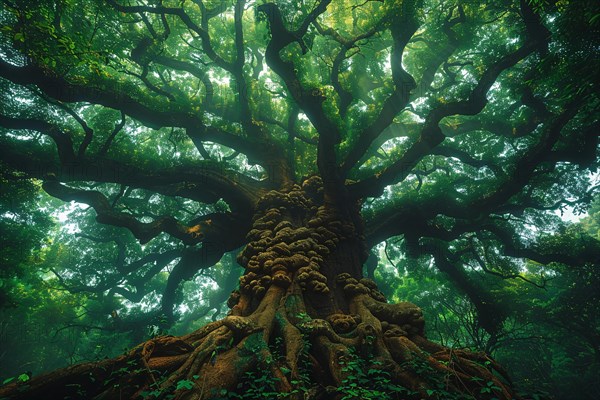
(280, 278)
(342, 323)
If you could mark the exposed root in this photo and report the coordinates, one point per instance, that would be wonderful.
(217, 357)
(303, 324)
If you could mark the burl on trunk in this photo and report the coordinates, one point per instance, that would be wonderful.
(304, 324)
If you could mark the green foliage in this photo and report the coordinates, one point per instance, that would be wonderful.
(365, 379)
(257, 386)
(23, 227)
(20, 378)
(155, 391)
(184, 384)
(544, 339)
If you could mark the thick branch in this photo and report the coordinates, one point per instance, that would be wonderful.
(309, 100)
(525, 167)
(513, 248)
(431, 133)
(402, 30)
(107, 215)
(192, 260)
(490, 316)
(205, 181)
(60, 89)
(63, 141)
(345, 96)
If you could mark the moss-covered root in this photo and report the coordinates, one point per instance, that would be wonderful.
(302, 358)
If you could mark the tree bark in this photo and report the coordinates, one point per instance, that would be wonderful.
(304, 324)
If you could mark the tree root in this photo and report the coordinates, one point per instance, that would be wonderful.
(309, 360)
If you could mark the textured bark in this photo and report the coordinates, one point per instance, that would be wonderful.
(303, 317)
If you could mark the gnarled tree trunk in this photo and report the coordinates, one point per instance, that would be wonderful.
(303, 324)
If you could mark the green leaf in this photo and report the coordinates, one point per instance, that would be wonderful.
(285, 370)
(184, 384)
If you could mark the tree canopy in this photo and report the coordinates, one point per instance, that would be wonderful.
(451, 134)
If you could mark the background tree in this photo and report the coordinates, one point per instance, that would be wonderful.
(305, 133)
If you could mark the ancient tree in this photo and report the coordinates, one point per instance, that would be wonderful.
(317, 130)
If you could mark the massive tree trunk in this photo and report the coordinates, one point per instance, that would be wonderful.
(303, 324)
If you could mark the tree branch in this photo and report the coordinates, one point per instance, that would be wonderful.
(63, 141)
(309, 100)
(489, 314)
(60, 89)
(143, 231)
(431, 133)
(402, 28)
(192, 260)
(205, 181)
(104, 149)
(107, 215)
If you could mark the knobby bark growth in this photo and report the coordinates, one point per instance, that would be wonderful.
(302, 315)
